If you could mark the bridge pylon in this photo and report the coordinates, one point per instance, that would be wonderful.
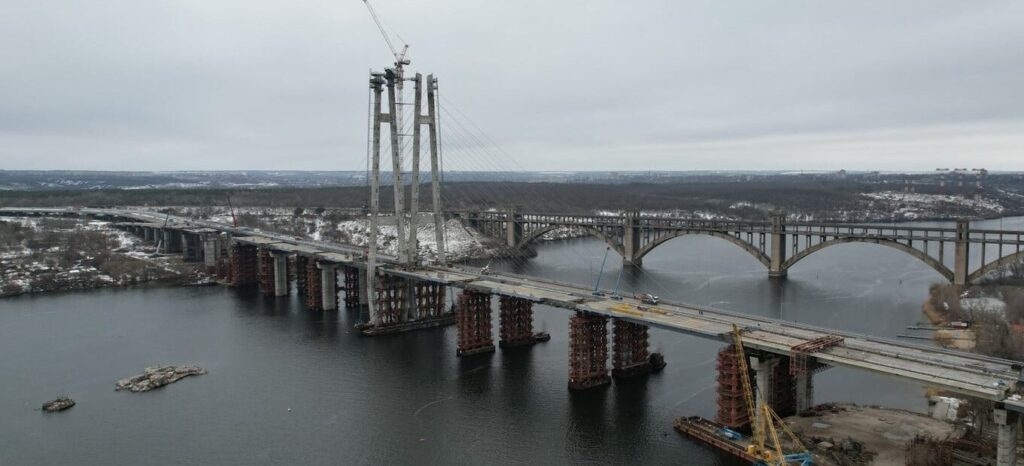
(407, 243)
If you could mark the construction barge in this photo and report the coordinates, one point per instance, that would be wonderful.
(716, 435)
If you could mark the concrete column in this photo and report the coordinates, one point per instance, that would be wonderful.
(804, 392)
(186, 250)
(778, 256)
(763, 367)
(411, 301)
(211, 250)
(329, 286)
(394, 123)
(513, 230)
(1009, 437)
(435, 179)
(631, 240)
(280, 273)
(962, 253)
(147, 233)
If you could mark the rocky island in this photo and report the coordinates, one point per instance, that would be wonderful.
(58, 404)
(156, 377)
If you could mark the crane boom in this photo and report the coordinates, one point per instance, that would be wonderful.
(763, 419)
(748, 391)
(380, 26)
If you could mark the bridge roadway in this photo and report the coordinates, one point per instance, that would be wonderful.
(966, 373)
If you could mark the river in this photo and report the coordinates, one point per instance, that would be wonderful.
(290, 386)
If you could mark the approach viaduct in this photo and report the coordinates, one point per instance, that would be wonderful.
(777, 243)
(785, 354)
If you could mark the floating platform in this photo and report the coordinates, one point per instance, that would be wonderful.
(589, 383)
(715, 435)
(655, 363)
(478, 350)
(442, 321)
(536, 338)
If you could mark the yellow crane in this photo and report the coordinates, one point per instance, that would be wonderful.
(763, 419)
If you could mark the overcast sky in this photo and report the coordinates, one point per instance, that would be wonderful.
(564, 85)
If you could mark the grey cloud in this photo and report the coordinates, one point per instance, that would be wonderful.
(560, 85)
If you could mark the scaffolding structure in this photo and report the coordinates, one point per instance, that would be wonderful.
(266, 271)
(430, 298)
(473, 323)
(732, 405)
(799, 353)
(351, 280)
(588, 351)
(515, 322)
(314, 290)
(391, 294)
(300, 266)
(629, 348)
(243, 265)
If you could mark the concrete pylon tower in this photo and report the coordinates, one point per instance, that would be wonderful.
(406, 244)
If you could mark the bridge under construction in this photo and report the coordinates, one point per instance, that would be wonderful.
(785, 355)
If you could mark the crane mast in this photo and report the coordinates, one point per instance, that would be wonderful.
(763, 419)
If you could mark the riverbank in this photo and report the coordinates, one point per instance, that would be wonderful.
(48, 255)
(843, 434)
(986, 318)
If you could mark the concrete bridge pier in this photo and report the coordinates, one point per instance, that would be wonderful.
(630, 355)
(147, 234)
(473, 324)
(962, 252)
(188, 251)
(804, 392)
(211, 251)
(775, 383)
(280, 264)
(1008, 425)
(776, 268)
(631, 239)
(588, 351)
(328, 286)
(172, 241)
(513, 230)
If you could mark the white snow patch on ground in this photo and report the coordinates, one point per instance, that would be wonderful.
(934, 200)
(460, 242)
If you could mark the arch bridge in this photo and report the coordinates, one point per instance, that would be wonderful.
(960, 254)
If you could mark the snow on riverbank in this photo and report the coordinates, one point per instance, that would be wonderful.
(916, 205)
(38, 255)
(461, 243)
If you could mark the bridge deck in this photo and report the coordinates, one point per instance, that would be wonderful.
(966, 373)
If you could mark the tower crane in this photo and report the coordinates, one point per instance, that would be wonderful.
(763, 419)
(400, 57)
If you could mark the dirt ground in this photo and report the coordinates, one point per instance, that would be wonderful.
(882, 431)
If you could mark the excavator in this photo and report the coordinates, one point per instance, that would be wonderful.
(763, 420)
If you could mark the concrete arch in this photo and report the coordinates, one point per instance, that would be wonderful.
(1001, 262)
(920, 255)
(760, 256)
(533, 235)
